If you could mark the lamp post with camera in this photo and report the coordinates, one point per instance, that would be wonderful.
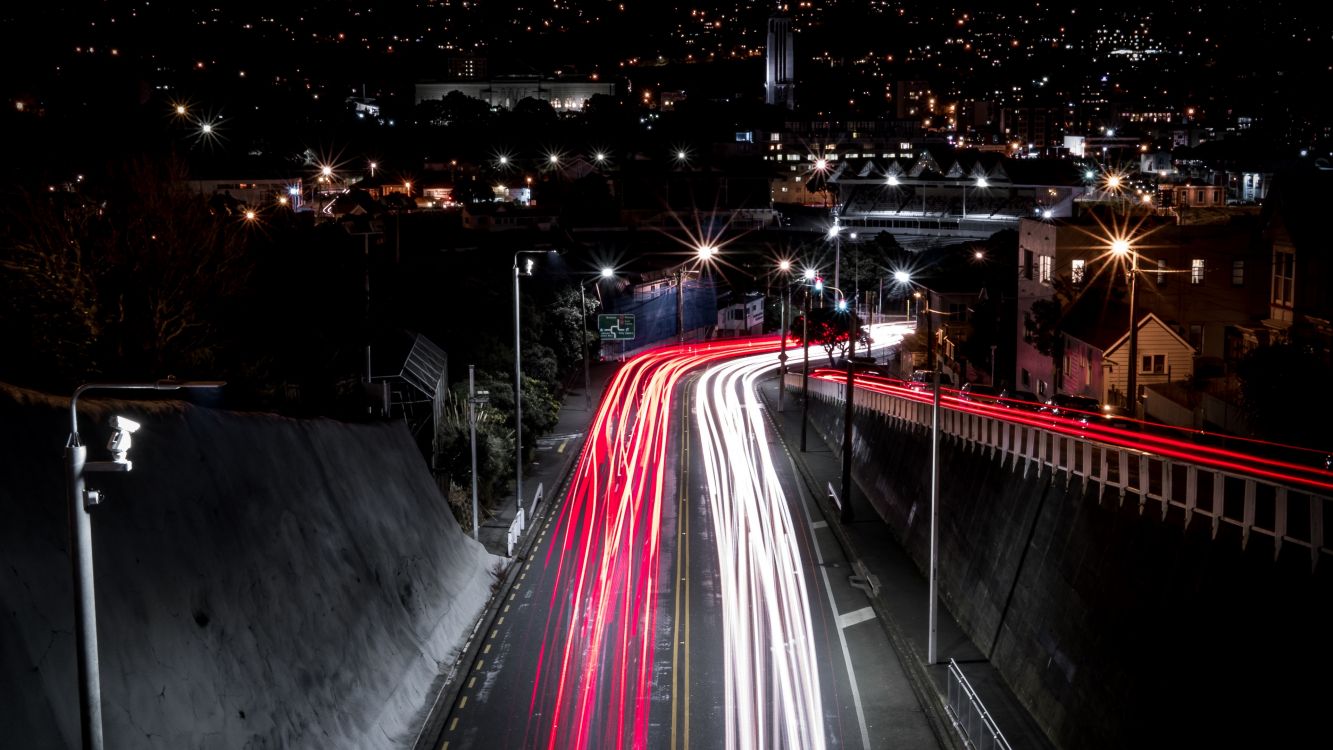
(81, 501)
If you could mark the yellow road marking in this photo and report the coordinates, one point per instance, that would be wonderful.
(682, 585)
(486, 650)
(453, 724)
(471, 682)
(462, 701)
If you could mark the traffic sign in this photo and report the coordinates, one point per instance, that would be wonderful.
(615, 327)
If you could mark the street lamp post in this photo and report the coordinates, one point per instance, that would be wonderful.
(518, 383)
(805, 369)
(835, 234)
(472, 402)
(583, 339)
(1121, 247)
(605, 273)
(704, 253)
(81, 500)
(847, 515)
(785, 267)
(932, 608)
(680, 305)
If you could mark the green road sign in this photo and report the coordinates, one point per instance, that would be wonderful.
(615, 327)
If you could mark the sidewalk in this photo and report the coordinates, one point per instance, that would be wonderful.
(551, 465)
(900, 600)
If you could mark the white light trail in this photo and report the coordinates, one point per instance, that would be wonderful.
(772, 695)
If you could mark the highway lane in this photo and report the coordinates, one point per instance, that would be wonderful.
(685, 591)
(573, 658)
(808, 663)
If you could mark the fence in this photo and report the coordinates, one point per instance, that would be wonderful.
(1227, 497)
(969, 715)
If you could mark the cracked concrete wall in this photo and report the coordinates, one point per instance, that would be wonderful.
(261, 581)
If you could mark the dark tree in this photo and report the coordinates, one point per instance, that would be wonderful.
(831, 329)
(1275, 384)
(138, 280)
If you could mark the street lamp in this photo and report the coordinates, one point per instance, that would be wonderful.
(981, 183)
(835, 234)
(518, 381)
(81, 500)
(705, 252)
(1121, 247)
(784, 266)
(846, 513)
(606, 273)
(810, 280)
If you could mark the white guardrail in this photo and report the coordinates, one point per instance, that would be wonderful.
(520, 522)
(1286, 514)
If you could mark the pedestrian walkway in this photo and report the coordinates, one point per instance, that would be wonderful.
(901, 597)
(552, 464)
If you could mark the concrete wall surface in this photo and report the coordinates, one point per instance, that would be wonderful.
(1115, 628)
(262, 582)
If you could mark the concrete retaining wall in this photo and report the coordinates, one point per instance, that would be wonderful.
(1115, 630)
(261, 582)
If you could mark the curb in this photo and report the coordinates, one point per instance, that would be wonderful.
(433, 725)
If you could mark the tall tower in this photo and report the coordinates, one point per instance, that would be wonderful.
(780, 85)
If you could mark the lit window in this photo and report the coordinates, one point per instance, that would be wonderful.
(1238, 273)
(1076, 272)
(1044, 269)
(1196, 271)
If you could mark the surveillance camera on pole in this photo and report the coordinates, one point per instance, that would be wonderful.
(81, 502)
(120, 442)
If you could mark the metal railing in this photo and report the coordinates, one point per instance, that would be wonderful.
(1287, 514)
(969, 714)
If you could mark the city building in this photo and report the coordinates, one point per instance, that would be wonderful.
(563, 95)
(1206, 285)
(780, 64)
(739, 315)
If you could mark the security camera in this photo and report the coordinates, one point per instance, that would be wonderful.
(120, 442)
(124, 423)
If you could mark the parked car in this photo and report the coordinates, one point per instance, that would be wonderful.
(1026, 400)
(979, 392)
(1074, 407)
(924, 380)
